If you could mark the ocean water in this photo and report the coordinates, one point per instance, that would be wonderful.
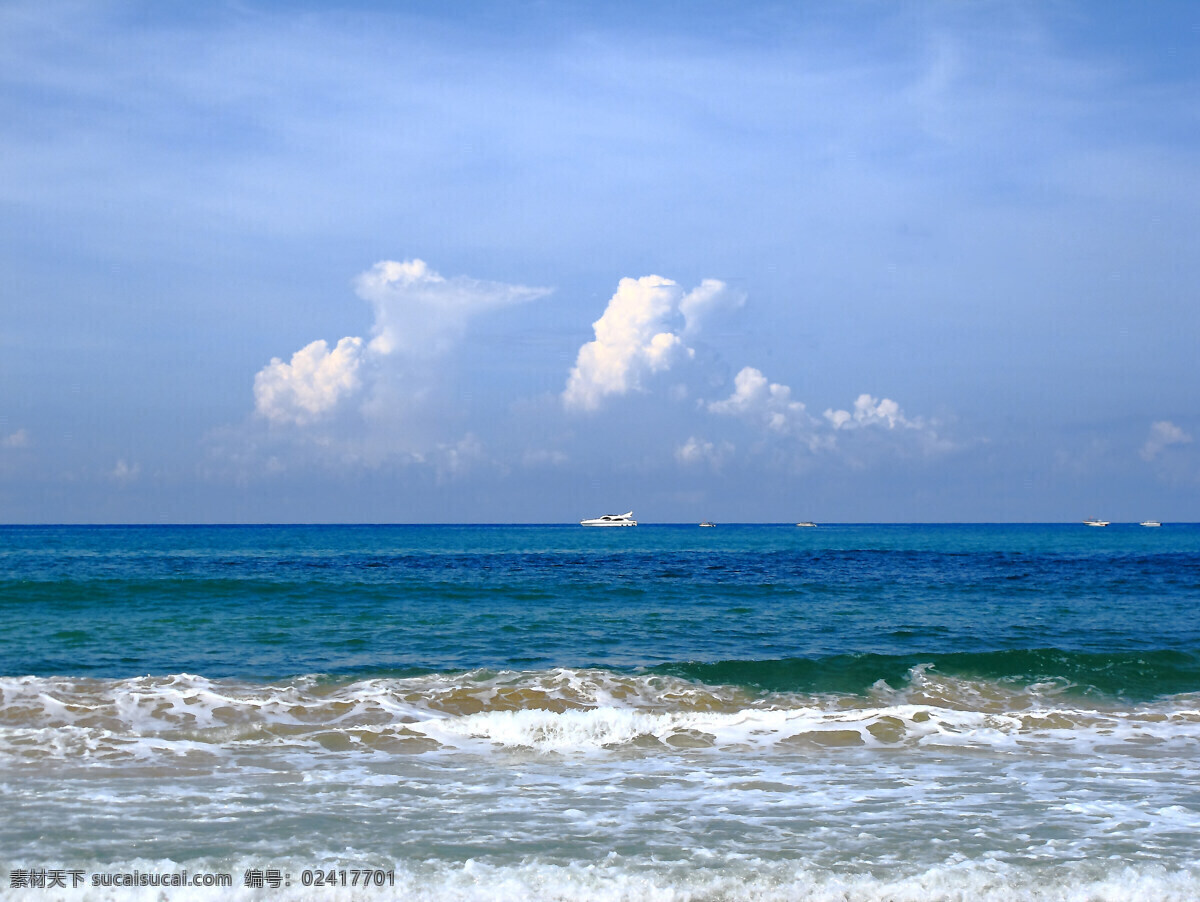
(526, 713)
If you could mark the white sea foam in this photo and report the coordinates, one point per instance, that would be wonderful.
(560, 711)
(614, 879)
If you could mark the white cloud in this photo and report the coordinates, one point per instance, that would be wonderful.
(1163, 434)
(125, 473)
(701, 303)
(419, 315)
(18, 439)
(647, 327)
(638, 335)
(770, 405)
(870, 411)
(632, 338)
(697, 451)
(422, 314)
(310, 385)
(754, 397)
(885, 417)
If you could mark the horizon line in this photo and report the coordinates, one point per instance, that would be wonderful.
(568, 523)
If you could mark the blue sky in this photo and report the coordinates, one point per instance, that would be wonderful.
(530, 262)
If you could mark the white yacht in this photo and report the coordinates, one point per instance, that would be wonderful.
(1093, 521)
(807, 523)
(611, 520)
(1150, 523)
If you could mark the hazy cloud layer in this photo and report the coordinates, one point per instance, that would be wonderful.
(125, 473)
(18, 439)
(1163, 434)
(700, 451)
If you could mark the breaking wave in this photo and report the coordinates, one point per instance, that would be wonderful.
(758, 704)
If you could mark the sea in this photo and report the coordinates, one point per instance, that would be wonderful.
(748, 712)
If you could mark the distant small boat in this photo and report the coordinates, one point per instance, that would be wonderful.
(1150, 523)
(1092, 521)
(707, 523)
(611, 520)
(807, 523)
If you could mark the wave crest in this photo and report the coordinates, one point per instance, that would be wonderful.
(560, 711)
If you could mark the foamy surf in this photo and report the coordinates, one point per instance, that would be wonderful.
(615, 879)
(559, 711)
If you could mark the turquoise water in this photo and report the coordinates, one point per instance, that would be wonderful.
(852, 711)
(278, 602)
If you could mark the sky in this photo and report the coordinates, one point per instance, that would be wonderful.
(538, 261)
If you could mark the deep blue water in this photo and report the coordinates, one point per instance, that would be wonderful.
(777, 607)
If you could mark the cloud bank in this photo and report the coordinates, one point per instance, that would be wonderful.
(368, 399)
(648, 327)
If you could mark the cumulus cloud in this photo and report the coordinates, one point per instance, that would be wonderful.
(755, 397)
(640, 333)
(712, 296)
(882, 417)
(313, 382)
(770, 406)
(870, 411)
(1163, 434)
(418, 315)
(632, 338)
(650, 324)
